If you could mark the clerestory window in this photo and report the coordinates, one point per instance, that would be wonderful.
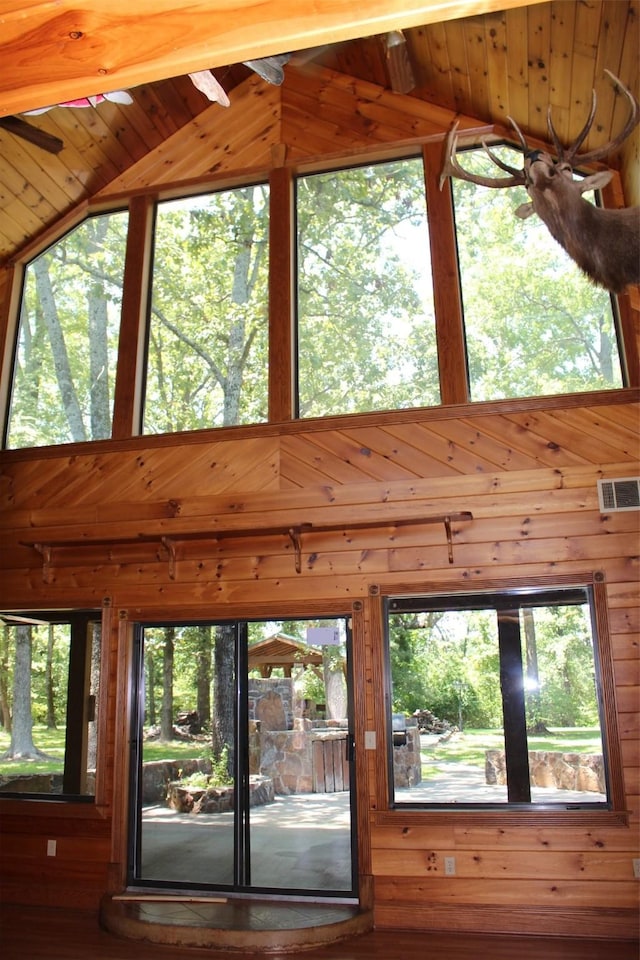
(535, 325)
(366, 319)
(67, 342)
(496, 700)
(362, 330)
(207, 351)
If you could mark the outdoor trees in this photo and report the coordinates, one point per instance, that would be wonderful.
(22, 746)
(443, 661)
(366, 328)
(207, 361)
(67, 344)
(365, 338)
(534, 324)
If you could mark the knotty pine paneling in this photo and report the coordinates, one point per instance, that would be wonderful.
(217, 140)
(491, 65)
(529, 478)
(501, 918)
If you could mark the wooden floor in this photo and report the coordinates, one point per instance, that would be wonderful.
(29, 933)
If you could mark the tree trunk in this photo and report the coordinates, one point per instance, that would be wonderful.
(203, 678)
(224, 693)
(94, 692)
(5, 707)
(22, 746)
(166, 714)
(97, 302)
(335, 684)
(51, 706)
(59, 350)
(151, 717)
(246, 267)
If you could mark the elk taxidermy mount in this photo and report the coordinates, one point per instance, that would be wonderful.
(604, 243)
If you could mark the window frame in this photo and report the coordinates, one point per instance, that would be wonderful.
(11, 327)
(451, 347)
(142, 298)
(82, 707)
(618, 340)
(430, 248)
(613, 813)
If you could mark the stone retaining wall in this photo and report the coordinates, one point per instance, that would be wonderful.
(549, 768)
(158, 774)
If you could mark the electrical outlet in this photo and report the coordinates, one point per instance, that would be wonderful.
(636, 867)
(51, 848)
(449, 866)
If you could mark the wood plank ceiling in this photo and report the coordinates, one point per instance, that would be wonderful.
(515, 61)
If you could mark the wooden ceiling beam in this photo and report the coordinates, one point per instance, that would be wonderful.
(53, 52)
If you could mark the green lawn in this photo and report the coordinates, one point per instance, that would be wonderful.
(470, 745)
(467, 747)
(51, 742)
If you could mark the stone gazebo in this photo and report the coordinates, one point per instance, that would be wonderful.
(289, 742)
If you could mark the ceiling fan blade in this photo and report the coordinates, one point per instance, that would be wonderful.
(399, 66)
(20, 128)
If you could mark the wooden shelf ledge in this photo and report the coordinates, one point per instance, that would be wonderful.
(295, 532)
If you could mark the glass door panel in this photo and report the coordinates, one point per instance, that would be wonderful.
(243, 774)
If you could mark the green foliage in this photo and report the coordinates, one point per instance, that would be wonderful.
(535, 324)
(219, 776)
(310, 686)
(64, 374)
(208, 351)
(366, 332)
(43, 646)
(448, 663)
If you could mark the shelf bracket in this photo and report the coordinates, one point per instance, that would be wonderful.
(170, 547)
(294, 536)
(44, 549)
(447, 527)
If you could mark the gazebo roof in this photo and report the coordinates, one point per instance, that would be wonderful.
(282, 651)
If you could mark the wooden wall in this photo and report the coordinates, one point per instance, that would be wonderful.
(527, 472)
(198, 526)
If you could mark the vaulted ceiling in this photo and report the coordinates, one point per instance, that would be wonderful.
(339, 92)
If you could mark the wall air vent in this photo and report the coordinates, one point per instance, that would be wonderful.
(622, 493)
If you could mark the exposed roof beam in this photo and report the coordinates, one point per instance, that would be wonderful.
(56, 50)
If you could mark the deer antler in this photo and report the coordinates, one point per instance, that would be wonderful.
(569, 154)
(451, 167)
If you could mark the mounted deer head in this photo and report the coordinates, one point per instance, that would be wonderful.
(604, 243)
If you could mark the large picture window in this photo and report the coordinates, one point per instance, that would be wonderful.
(495, 700)
(354, 327)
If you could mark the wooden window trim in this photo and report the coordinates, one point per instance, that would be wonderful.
(74, 773)
(281, 295)
(617, 815)
(447, 294)
(133, 324)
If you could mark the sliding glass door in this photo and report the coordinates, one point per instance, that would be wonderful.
(242, 766)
